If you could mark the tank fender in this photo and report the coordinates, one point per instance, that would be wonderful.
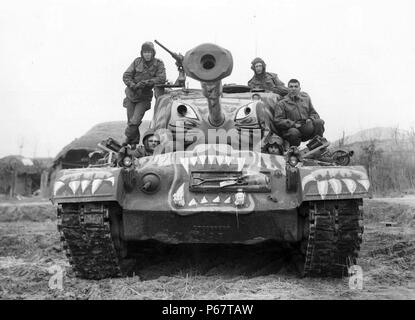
(88, 185)
(334, 182)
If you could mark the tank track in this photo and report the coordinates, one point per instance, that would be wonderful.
(86, 236)
(334, 238)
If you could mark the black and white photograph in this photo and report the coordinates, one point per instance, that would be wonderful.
(207, 151)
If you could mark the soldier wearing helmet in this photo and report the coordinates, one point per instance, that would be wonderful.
(150, 143)
(266, 80)
(273, 144)
(140, 78)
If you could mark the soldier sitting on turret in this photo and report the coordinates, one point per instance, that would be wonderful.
(266, 80)
(295, 118)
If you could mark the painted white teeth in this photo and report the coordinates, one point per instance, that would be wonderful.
(216, 200)
(74, 185)
(85, 184)
(185, 163)
(192, 203)
(228, 200)
(96, 184)
(211, 159)
(204, 200)
(58, 185)
(228, 160)
(267, 161)
(241, 163)
(322, 187)
(193, 160)
(350, 184)
(219, 159)
(365, 184)
(336, 185)
(202, 159)
(178, 197)
(112, 180)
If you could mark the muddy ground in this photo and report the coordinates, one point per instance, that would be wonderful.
(29, 247)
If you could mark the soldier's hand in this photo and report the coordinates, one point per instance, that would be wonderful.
(308, 121)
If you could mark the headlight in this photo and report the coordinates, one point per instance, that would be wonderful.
(293, 160)
(127, 161)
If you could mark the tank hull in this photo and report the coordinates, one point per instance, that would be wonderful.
(213, 227)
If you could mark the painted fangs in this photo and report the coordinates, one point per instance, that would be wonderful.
(79, 180)
(192, 203)
(185, 164)
(95, 185)
(178, 197)
(74, 185)
(202, 159)
(351, 185)
(336, 185)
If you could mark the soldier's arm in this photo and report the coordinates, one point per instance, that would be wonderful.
(281, 121)
(280, 87)
(139, 152)
(160, 77)
(128, 76)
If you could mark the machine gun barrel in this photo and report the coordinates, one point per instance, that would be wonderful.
(177, 57)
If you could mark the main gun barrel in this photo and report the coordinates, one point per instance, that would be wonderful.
(209, 64)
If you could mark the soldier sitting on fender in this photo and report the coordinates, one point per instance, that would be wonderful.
(140, 78)
(295, 117)
(266, 80)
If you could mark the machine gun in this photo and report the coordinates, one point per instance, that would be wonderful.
(181, 80)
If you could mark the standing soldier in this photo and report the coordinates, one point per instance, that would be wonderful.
(140, 78)
(266, 80)
(295, 118)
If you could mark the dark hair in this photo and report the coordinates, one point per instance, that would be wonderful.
(293, 81)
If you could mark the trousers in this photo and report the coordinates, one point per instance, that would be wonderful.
(306, 132)
(135, 114)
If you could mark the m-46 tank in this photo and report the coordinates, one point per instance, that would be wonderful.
(209, 182)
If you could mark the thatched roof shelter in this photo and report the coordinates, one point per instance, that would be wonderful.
(76, 151)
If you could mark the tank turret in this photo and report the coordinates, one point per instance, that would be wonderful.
(209, 64)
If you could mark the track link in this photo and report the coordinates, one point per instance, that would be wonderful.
(335, 235)
(86, 235)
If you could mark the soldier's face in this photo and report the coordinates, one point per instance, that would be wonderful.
(153, 142)
(258, 68)
(147, 55)
(294, 88)
(273, 149)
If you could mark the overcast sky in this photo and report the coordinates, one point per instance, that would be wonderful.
(61, 62)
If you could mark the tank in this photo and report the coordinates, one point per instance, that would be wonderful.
(209, 182)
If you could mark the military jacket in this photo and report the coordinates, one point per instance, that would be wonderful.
(154, 73)
(296, 109)
(270, 82)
